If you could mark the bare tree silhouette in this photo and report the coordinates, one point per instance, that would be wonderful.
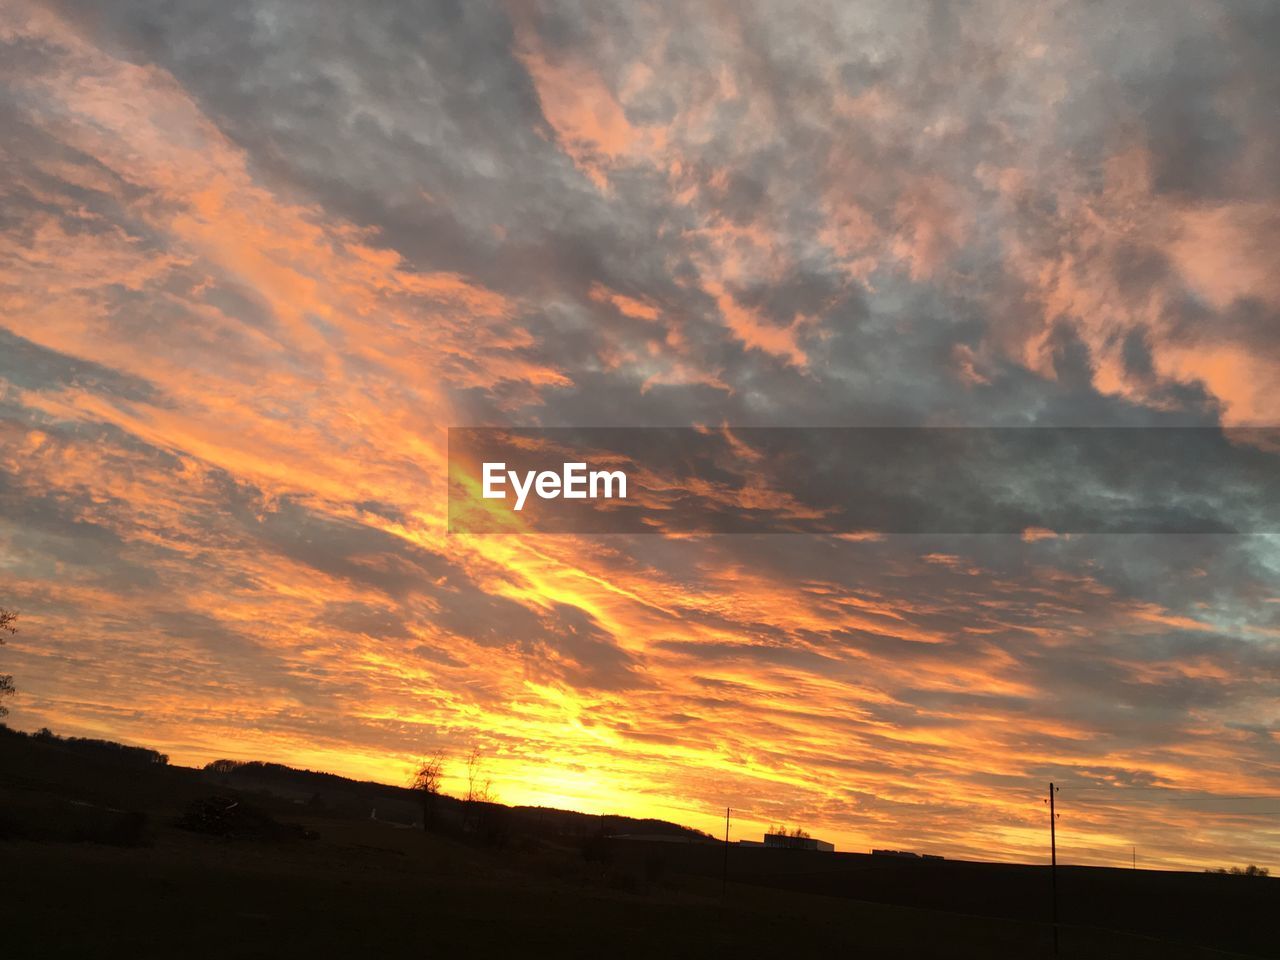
(7, 618)
(483, 818)
(479, 794)
(479, 787)
(426, 782)
(780, 830)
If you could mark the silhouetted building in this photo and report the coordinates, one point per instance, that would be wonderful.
(785, 841)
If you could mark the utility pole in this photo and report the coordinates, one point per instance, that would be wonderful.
(1053, 865)
(724, 879)
(1135, 858)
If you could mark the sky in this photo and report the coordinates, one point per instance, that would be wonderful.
(256, 258)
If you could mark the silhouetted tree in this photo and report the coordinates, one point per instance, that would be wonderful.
(1251, 870)
(479, 814)
(7, 619)
(426, 782)
(781, 831)
(479, 787)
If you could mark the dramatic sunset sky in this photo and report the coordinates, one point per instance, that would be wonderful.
(255, 258)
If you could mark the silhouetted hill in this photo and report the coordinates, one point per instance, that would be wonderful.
(110, 851)
(394, 804)
(113, 773)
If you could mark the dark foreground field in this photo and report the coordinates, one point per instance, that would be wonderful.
(94, 866)
(368, 894)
